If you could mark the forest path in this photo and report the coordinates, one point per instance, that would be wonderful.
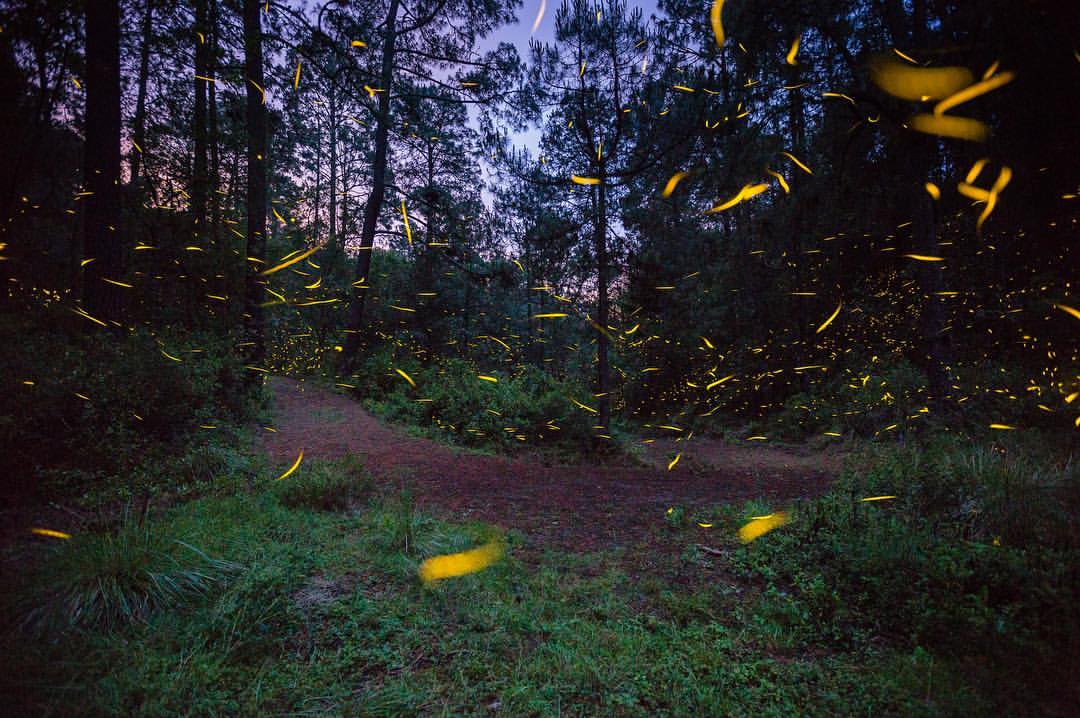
(582, 507)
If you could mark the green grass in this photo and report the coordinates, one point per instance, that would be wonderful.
(323, 615)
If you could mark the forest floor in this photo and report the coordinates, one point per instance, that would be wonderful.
(578, 507)
(603, 604)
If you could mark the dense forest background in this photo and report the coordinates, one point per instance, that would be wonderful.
(148, 189)
(837, 222)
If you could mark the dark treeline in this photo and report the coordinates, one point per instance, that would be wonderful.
(720, 225)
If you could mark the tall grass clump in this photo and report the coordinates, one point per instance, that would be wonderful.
(326, 486)
(103, 581)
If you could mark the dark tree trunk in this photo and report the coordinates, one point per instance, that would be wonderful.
(541, 333)
(101, 174)
(426, 258)
(331, 241)
(797, 124)
(256, 183)
(934, 349)
(378, 188)
(603, 308)
(214, 184)
(198, 125)
(234, 180)
(318, 179)
(343, 227)
(922, 157)
(139, 123)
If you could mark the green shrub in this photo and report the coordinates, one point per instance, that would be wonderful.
(90, 405)
(972, 558)
(396, 523)
(524, 407)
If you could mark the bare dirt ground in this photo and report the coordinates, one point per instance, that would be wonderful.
(584, 507)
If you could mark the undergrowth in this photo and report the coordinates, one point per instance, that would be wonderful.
(898, 607)
(976, 558)
(114, 408)
(524, 410)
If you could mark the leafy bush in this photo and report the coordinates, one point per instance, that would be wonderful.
(864, 401)
(106, 580)
(396, 523)
(526, 406)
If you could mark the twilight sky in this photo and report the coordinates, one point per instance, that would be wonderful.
(521, 32)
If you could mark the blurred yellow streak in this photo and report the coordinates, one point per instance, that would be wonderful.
(460, 564)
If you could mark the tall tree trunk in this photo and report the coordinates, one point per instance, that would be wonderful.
(139, 123)
(348, 210)
(603, 309)
(256, 182)
(541, 333)
(234, 181)
(331, 241)
(797, 125)
(426, 258)
(530, 338)
(378, 187)
(101, 173)
(198, 126)
(467, 318)
(214, 185)
(922, 157)
(318, 179)
(343, 229)
(934, 349)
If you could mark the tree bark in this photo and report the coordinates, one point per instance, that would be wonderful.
(214, 184)
(101, 174)
(603, 308)
(922, 157)
(934, 349)
(198, 129)
(331, 241)
(256, 183)
(234, 180)
(139, 122)
(425, 259)
(378, 188)
(318, 178)
(797, 125)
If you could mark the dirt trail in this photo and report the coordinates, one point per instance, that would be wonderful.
(578, 507)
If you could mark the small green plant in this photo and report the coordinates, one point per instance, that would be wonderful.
(107, 580)
(675, 517)
(90, 412)
(402, 521)
(334, 486)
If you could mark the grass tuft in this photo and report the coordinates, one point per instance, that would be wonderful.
(326, 486)
(103, 581)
